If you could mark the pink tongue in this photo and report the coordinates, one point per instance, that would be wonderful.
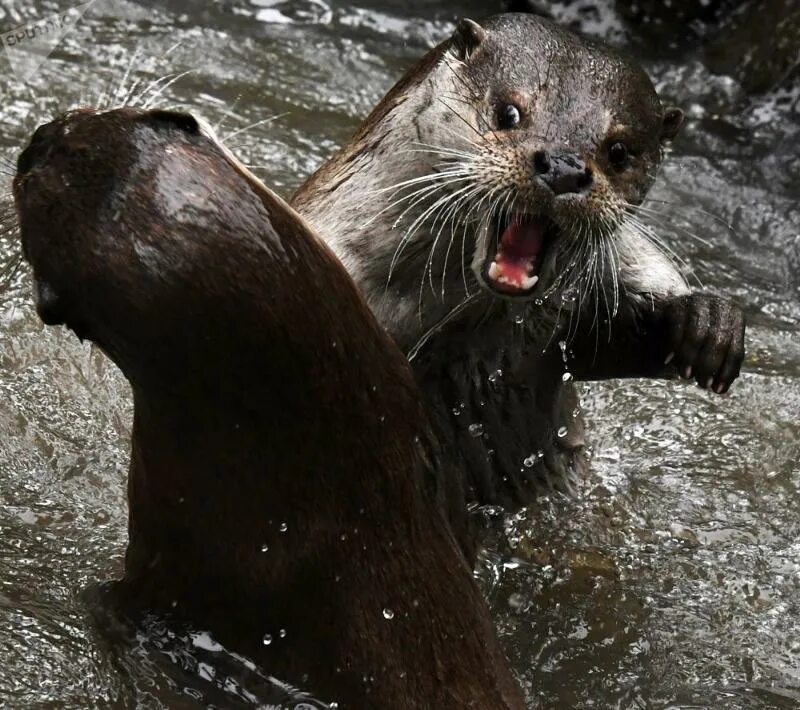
(520, 244)
(522, 241)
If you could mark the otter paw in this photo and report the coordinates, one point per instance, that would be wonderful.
(705, 339)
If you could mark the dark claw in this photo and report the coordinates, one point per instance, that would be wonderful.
(705, 339)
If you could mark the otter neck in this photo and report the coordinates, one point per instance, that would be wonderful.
(228, 477)
(413, 272)
(222, 536)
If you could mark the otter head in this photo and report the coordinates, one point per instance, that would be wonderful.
(143, 231)
(74, 190)
(148, 237)
(548, 140)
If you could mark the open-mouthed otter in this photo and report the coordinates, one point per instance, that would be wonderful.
(488, 210)
(282, 481)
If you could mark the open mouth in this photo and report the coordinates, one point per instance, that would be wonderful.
(521, 243)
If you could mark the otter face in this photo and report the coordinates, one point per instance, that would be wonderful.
(113, 205)
(69, 205)
(557, 138)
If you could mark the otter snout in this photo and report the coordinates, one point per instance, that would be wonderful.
(563, 173)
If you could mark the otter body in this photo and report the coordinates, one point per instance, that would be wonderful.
(487, 209)
(281, 484)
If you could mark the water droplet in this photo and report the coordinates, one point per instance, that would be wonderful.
(458, 409)
(538, 301)
(282, 633)
(529, 462)
(265, 548)
(562, 432)
(343, 537)
(267, 640)
(475, 430)
(516, 601)
(576, 412)
(566, 377)
(540, 453)
(495, 376)
(388, 614)
(569, 296)
(284, 527)
(519, 320)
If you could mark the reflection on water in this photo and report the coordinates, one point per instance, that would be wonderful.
(673, 580)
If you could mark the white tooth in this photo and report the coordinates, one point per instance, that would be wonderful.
(529, 282)
(494, 271)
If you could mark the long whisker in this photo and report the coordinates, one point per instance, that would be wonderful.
(451, 216)
(420, 220)
(262, 122)
(412, 354)
(425, 194)
(702, 211)
(155, 95)
(457, 199)
(648, 211)
(646, 232)
(461, 118)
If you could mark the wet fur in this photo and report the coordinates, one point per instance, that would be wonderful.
(424, 288)
(282, 472)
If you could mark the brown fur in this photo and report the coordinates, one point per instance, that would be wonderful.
(334, 171)
(270, 410)
(415, 206)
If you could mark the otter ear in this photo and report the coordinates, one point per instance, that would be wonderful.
(467, 37)
(671, 123)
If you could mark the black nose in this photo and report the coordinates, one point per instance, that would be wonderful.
(563, 173)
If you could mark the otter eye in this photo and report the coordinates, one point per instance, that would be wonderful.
(618, 155)
(508, 116)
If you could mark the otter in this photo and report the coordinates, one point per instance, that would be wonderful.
(488, 208)
(283, 478)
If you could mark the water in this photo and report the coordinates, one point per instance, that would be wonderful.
(672, 581)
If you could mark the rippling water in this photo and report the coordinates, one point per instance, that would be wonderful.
(672, 581)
